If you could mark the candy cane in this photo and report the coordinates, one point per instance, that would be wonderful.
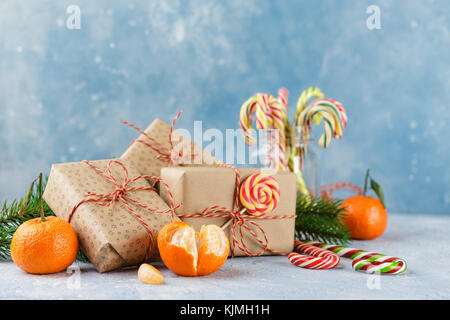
(369, 262)
(312, 257)
(283, 95)
(333, 114)
(270, 114)
(335, 120)
(303, 100)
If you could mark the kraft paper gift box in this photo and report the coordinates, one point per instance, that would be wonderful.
(151, 151)
(200, 187)
(111, 237)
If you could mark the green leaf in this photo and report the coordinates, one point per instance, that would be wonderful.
(26, 200)
(365, 181)
(378, 191)
(40, 190)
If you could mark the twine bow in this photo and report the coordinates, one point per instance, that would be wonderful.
(240, 222)
(122, 192)
(170, 155)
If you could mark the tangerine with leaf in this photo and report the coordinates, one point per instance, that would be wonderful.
(366, 217)
(45, 244)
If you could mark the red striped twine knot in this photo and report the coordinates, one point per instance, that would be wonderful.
(179, 154)
(122, 192)
(240, 222)
(328, 189)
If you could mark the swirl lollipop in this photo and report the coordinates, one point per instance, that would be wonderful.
(259, 194)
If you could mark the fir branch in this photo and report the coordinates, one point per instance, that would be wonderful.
(81, 256)
(320, 220)
(4, 246)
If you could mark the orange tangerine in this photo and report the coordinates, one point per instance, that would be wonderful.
(44, 245)
(365, 217)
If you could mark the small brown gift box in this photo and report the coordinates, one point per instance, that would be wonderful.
(111, 236)
(151, 151)
(201, 187)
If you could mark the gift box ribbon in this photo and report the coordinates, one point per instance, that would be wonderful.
(240, 222)
(170, 155)
(122, 192)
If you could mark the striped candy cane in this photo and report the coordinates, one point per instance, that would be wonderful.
(334, 117)
(283, 95)
(312, 257)
(305, 97)
(333, 114)
(269, 113)
(369, 262)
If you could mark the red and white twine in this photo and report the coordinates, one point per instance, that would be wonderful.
(170, 155)
(328, 189)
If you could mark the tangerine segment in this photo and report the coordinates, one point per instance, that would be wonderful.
(213, 250)
(149, 274)
(177, 244)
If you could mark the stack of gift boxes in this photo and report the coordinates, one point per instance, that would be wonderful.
(117, 206)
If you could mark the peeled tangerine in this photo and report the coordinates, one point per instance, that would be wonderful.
(189, 253)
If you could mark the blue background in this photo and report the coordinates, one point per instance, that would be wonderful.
(63, 92)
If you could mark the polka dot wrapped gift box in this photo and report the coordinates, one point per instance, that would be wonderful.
(256, 208)
(115, 212)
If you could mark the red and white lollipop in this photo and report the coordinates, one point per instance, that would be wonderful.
(259, 194)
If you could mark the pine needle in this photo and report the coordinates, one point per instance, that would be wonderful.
(320, 220)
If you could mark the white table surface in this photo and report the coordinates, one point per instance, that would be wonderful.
(423, 240)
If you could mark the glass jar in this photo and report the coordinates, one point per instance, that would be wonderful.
(307, 162)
